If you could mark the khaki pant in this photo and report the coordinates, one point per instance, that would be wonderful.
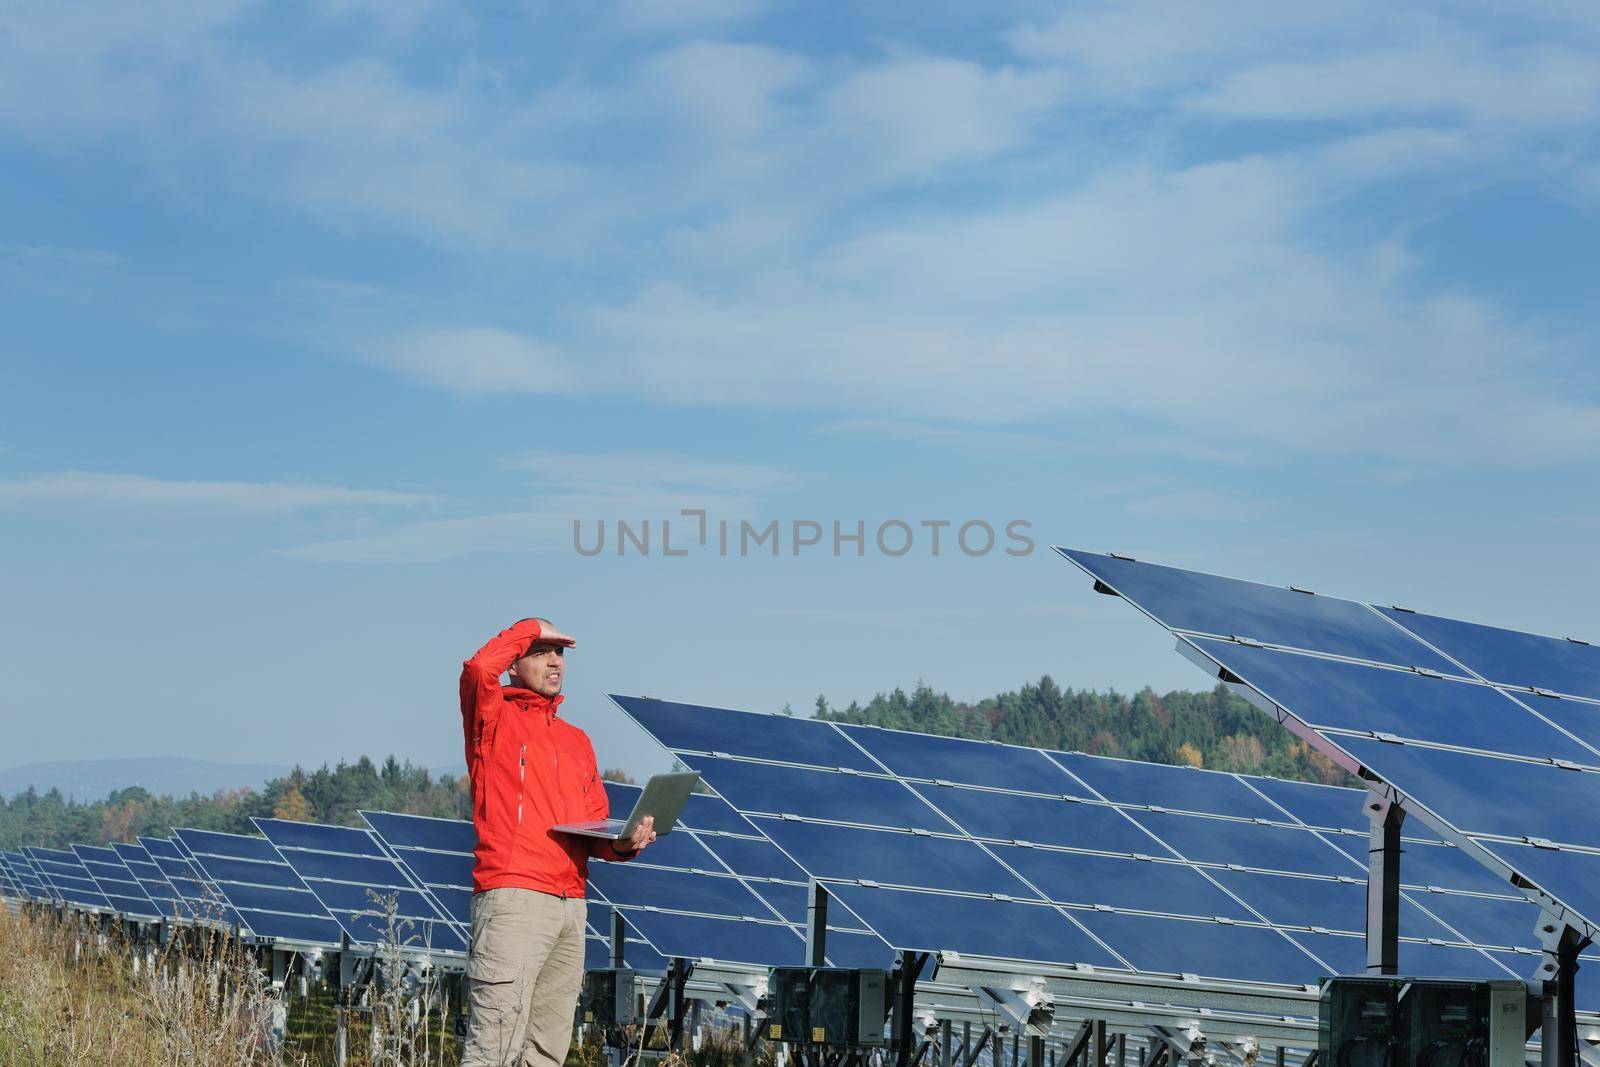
(526, 966)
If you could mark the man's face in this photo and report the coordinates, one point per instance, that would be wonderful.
(541, 669)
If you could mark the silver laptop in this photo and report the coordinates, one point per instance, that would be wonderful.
(664, 796)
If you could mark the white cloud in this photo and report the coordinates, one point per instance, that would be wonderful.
(138, 494)
(628, 472)
(1513, 87)
(678, 14)
(478, 360)
(545, 528)
(569, 487)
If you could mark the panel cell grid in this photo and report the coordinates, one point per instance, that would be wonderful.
(358, 882)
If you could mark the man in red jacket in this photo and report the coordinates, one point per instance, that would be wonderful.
(530, 770)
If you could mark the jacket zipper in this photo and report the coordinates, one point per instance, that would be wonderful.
(522, 776)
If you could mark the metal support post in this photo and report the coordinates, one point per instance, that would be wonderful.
(816, 924)
(908, 968)
(1098, 1029)
(619, 938)
(676, 978)
(1035, 1052)
(1122, 1051)
(970, 1049)
(1383, 885)
(944, 1042)
(1558, 1037)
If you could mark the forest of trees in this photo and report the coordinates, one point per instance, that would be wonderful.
(1212, 729)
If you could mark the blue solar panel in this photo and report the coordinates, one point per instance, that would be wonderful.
(640, 885)
(356, 879)
(1117, 881)
(1217, 950)
(1226, 607)
(200, 901)
(1428, 866)
(1348, 955)
(154, 883)
(704, 937)
(1271, 848)
(69, 877)
(27, 876)
(706, 812)
(1319, 902)
(1012, 817)
(1158, 785)
(1571, 877)
(1549, 798)
(912, 919)
(437, 854)
(892, 858)
(1338, 696)
(1510, 656)
(421, 831)
(829, 795)
(1482, 920)
(754, 857)
(1323, 806)
(1543, 799)
(982, 763)
(1578, 717)
(937, 890)
(692, 728)
(269, 898)
(848, 949)
(113, 878)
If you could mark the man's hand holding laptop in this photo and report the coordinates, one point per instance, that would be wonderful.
(643, 834)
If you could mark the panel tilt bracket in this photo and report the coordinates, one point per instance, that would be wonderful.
(1558, 970)
(1383, 884)
(1030, 1012)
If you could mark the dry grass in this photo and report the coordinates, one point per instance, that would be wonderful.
(71, 995)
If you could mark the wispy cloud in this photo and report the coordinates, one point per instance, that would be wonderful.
(569, 488)
(479, 359)
(650, 471)
(138, 494)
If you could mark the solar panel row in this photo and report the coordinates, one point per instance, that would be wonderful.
(940, 843)
(1434, 707)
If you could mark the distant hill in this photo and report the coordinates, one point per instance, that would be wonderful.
(85, 781)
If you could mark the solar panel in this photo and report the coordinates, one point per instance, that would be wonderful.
(29, 878)
(1510, 657)
(263, 890)
(122, 890)
(1121, 864)
(67, 875)
(437, 853)
(355, 878)
(202, 902)
(1511, 776)
(1338, 697)
(165, 898)
(714, 866)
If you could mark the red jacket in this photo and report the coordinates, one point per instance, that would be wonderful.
(530, 770)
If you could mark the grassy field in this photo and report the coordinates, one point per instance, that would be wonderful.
(72, 997)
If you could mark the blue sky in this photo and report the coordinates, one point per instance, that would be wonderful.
(324, 322)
